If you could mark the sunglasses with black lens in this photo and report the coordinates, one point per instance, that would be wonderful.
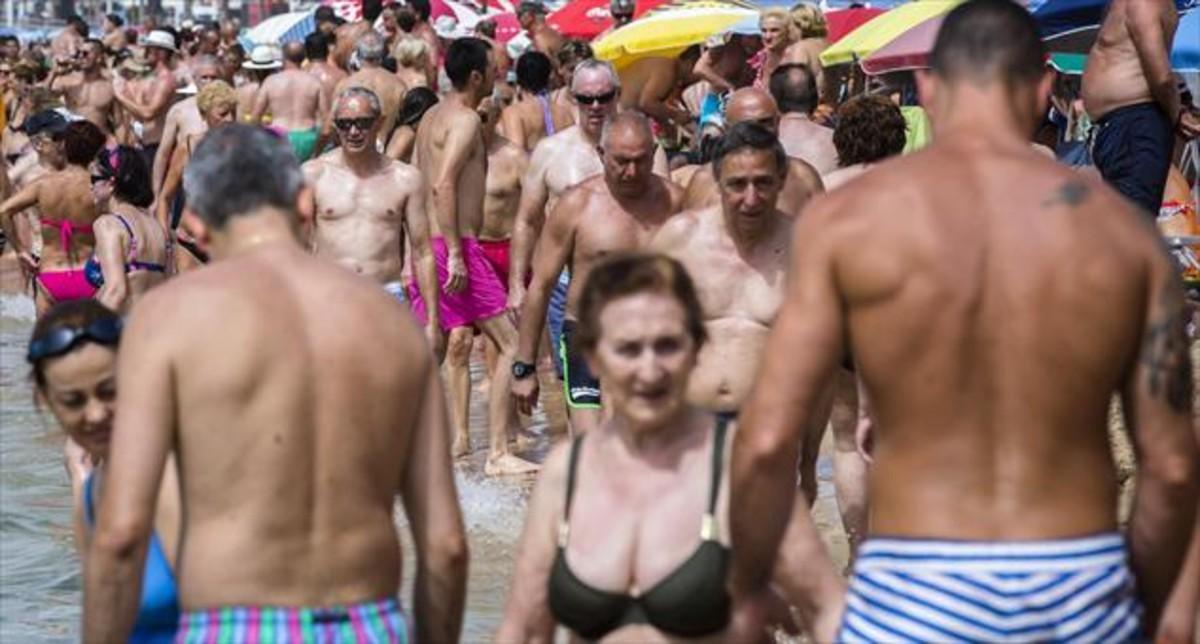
(106, 331)
(595, 99)
(363, 124)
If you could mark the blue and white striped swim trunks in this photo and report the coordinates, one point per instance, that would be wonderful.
(1065, 590)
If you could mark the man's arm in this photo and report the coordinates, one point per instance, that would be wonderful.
(171, 182)
(141, 440)
(110, 250)
(1157, 400)
(705, 69)
(312, 170)
(801, 354)
(654, 95)
(416, 220)
(527, 227)
(461, 139)
(1150, 40)
(434, 517)
(159, 103)
(261, 100)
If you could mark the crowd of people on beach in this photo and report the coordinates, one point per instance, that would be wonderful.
(289, 258)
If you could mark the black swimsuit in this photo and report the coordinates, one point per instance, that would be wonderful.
(690, 602)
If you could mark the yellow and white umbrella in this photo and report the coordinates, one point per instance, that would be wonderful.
(670, 29)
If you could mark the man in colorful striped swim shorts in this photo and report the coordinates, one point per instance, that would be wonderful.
(289, 448)
(994, 302)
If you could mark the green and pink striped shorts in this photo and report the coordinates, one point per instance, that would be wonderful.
(378, 622)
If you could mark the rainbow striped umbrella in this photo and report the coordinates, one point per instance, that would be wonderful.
(883, 29)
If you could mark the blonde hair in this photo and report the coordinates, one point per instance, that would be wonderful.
(809, 21)
(214, 95)
(781, 14)
(410, 50)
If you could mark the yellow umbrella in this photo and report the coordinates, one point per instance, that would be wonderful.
(883, 29)
(670, 29)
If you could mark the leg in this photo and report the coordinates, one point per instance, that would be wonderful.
(849, 469)
(458, 386)
(500, 330)
(554, 406)
(582, 389)
(810, 446)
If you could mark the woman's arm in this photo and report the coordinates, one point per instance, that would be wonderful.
(112, 246)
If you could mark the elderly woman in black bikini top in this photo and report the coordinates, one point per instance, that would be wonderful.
(625, 536)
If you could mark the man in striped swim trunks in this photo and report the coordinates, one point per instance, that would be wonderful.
(293, 444)
(994, 302)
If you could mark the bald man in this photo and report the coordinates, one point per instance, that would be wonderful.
(752, 105)
(296, 101)
(794, 88)
(620, 210)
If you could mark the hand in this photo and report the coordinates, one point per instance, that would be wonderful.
(525, 391)
(29, 261)
(864, 439)
(456, 273)
(77, 461)
(516, 300)
(748, 622)
(1189, 125)
(436, 339)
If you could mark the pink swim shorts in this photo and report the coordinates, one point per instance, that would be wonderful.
(484, 297)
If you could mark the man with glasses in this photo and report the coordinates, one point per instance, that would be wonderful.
(620, 210)
(450, 153)
(87, 91)
(364, 203)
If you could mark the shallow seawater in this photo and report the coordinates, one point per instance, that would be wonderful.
(39, 570)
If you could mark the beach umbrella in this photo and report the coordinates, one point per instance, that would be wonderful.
(587, 19)
(670, 29)
(883, 29)
(1185, 54)
(507, 25)
(277, 30)
(1055, 17)
(843, 21)
(1070, 64)
(909, 50)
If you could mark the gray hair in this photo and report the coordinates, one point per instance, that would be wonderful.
(371, 48)
(238, 169)
(634, 119)
(592, 65)
(364, 93)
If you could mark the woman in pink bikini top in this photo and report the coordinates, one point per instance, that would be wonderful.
(64, 201)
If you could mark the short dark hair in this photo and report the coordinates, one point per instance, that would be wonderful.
(574, 50)
(421, 8)
(294, 52)
(533, 71)
(987, 40)
(238, 169)
(79, 24)
(72, 314)
(406, 20)
(417, 101)
(316, 45)
(81, 141)
(371, 10)
(794, 88)
(750, 135)
(870, 128)
(131, 178)
(623, 275)
(117, 21)
(464, 56)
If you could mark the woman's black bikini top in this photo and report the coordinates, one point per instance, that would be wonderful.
(690, 602)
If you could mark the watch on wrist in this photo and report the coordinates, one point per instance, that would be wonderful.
(522, 370)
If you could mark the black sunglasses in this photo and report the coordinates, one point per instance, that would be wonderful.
(106, 331)
(596, 99)
(363, 124)
(101, 178)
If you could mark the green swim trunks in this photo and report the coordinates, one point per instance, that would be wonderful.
(303, 142)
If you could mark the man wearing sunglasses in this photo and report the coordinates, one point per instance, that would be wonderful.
(450, 153)
(364, 202)
(86, 91)
(292, 444)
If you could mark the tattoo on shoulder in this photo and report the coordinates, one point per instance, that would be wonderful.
(1165, 352)
(1072, 193)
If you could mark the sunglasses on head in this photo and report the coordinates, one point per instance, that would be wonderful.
(595, 99)
(363, 124)
(106, 331)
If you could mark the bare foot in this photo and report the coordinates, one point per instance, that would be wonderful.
(523, 440)
(461, 447)
(507, 464)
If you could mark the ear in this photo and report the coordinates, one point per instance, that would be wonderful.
(196, 226)
(1045, 88)
(927, 89)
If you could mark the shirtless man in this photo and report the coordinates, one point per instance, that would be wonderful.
(316, 49)
(531, 14)
(88, 92)
(183, 122)
(1130, 95)
(263, 62)
(991, 459)
(374, 77)
(160, 92)
(751, 105)
(338, 408)
(114, 33)
(653, 84)
(347, 36)
(65, 45)
(621, 210)
(506, 164)
(364, 202)
(451, 155)
(295, 101)
(794, 89)
(534, 116)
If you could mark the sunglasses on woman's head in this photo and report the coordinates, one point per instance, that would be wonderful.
(106, 331)
(595, 99)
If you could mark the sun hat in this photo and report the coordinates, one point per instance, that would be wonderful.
(161, 39)
(263, 57)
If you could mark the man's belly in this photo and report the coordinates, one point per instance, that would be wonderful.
(380, 262)
(1111, 85)
(728, 364)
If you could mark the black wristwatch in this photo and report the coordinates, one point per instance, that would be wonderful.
(522, 370)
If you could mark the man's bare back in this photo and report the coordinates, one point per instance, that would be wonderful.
(293, 99)
(329, 75)
(802, 139)
(1115, 76)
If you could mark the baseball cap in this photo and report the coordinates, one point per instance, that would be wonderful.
(45, 122)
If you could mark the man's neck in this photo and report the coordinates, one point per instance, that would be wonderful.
(365, 163)
(747, 232)
(463, 99)
(796, 116)
(263, 229)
